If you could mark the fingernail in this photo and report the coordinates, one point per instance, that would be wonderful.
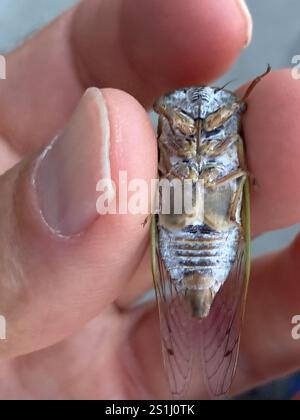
(66, 174)
(249, 22)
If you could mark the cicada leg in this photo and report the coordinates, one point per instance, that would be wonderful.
(236, 199)
(239, 173)
(218, 148)
(147, 220)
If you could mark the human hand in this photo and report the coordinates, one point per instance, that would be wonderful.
(68, 277)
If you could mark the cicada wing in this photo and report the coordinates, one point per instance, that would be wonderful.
(197, 352)
(221, 331)
(180, 334)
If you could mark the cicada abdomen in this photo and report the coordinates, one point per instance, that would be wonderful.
(201, 264)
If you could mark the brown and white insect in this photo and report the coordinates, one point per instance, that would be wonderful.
(201, 266)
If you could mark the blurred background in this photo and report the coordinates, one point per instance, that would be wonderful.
(276, 40)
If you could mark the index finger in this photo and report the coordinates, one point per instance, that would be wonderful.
(144, 47)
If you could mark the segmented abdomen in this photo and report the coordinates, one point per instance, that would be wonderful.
(199, 249)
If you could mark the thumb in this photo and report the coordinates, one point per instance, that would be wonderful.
(61, 263)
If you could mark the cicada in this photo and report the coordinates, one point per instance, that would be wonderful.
(201, 267)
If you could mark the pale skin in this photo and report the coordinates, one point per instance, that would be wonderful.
(78, 339)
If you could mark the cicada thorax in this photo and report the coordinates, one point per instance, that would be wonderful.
(199, 141)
